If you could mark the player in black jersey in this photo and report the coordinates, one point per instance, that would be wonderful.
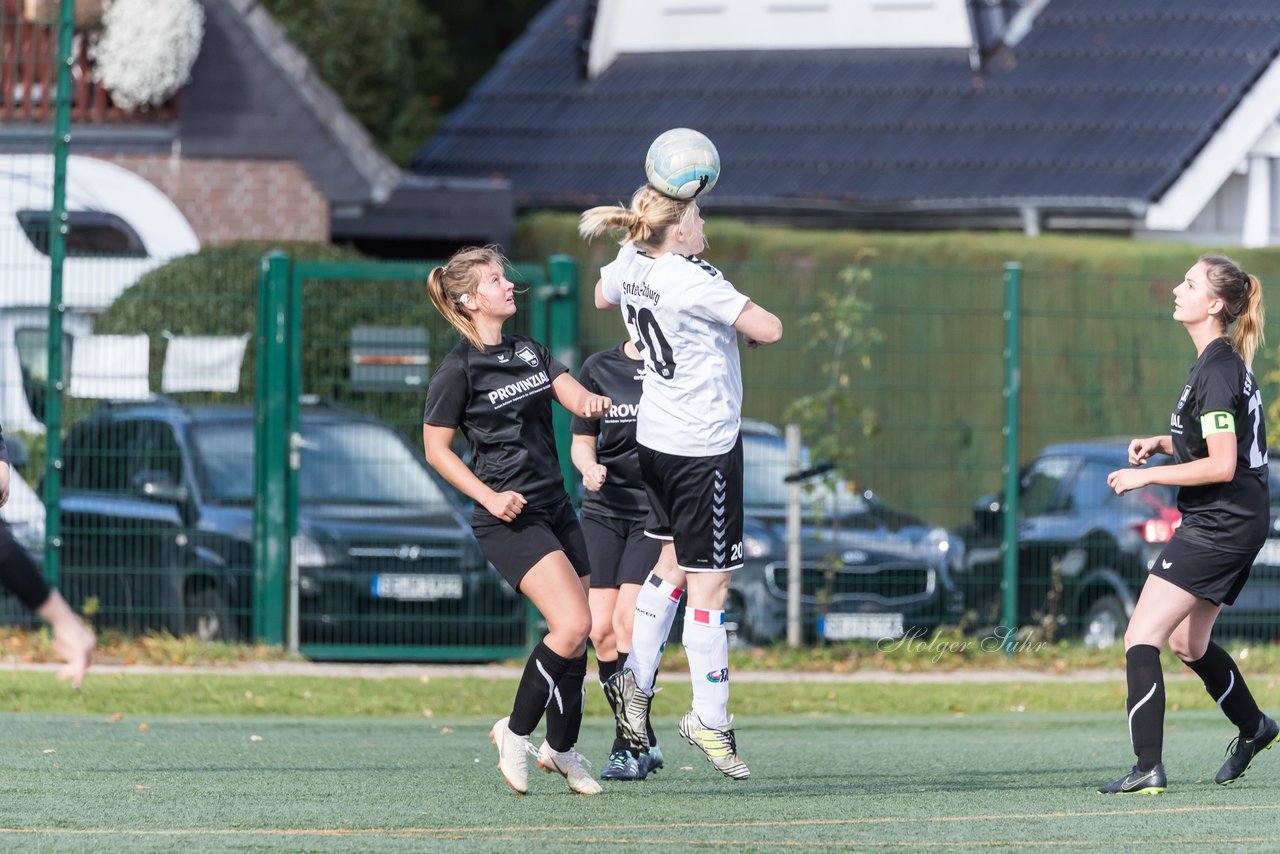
(614, 509)
(72, 639)
(1219, 443)
(497, 389)
(687, 316)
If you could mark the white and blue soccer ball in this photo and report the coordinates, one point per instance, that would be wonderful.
(682, 164)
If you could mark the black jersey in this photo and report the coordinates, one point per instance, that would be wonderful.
(501, 398)
(1232, 516)
(619, 377)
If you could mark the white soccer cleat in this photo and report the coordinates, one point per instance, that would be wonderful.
(568, 764)
(719, 745)
(513, 759)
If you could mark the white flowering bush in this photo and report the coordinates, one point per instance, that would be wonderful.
(147, 49)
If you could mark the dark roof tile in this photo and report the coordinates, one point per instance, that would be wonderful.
(1103, 99)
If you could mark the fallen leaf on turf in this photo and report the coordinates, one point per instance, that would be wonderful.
(427, 713)
(118, 716)
(445, 730)
(686, 767)
(140, 786)
(143, 727)
(255, 738)
(424, 679)
(49, 750)
(248, 695)
(306, 695)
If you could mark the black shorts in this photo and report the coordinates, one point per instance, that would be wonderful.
(619, 550)
(1208, 572)
(514, 547)
(697, 502)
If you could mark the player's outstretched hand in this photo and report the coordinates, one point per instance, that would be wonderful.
(505, 505)
(1124, 480)
(593, 478)
(73, 641)
(1140, 450)
(595, 405)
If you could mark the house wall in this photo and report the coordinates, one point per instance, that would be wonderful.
(229, 200)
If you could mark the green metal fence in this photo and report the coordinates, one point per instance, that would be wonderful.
(898, 376)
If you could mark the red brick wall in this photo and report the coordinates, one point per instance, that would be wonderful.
(227, 200)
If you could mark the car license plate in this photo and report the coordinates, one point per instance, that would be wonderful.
(861, 626)
(417, 588)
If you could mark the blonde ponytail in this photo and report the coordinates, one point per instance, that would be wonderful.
(1248, 336)
(645, 223)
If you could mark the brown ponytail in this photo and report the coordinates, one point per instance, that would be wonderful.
(645, 223)
(1241, 296)
(449, 285)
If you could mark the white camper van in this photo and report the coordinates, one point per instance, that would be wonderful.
(121, 227)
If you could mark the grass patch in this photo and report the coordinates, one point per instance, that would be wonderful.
(138, 694)
(1022, 782)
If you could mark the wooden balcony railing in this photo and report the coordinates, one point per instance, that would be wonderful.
(28, 75)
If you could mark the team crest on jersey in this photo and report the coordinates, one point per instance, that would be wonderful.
(503, 358)
(528, 355)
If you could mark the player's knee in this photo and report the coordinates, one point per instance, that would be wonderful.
(1185, 647)
(602, 636)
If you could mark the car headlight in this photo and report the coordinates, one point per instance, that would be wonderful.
(938, 546)
(755, 547)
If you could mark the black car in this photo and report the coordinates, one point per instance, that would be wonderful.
(157, 524)
(867, 571)
(1083, 551)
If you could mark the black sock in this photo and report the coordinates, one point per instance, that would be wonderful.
(564, 713)
(542, 672)
(1227, 687)
(607, 669)
(1145, 704)
(19, 573)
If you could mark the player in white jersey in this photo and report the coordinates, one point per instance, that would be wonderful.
(684, 317)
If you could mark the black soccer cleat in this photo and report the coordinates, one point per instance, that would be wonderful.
(1242, 750)
(1136, 782)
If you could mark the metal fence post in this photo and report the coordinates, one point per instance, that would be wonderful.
(271, 542)
(1012, 393)
(561, 318)
(795, 579)
(57, 252)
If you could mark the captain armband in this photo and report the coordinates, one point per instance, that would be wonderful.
(1217, 422)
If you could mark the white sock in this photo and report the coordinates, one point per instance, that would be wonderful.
(655, 612)
(706, 643)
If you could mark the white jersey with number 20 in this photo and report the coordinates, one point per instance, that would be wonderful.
(680, 311)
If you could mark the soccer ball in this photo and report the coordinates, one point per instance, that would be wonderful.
(682, 164)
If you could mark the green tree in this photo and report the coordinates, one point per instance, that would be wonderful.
(834, 423)
(389, 61)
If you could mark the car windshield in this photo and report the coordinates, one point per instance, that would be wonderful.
(342, 462)
(765, 468)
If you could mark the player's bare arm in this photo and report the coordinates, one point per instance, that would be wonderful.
(602, 303)
(583, 453)
(574, 397)
(440, 456)
(758, 326)
(1218, 467)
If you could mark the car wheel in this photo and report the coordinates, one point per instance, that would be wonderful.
(208, 617)
(1104, 623)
